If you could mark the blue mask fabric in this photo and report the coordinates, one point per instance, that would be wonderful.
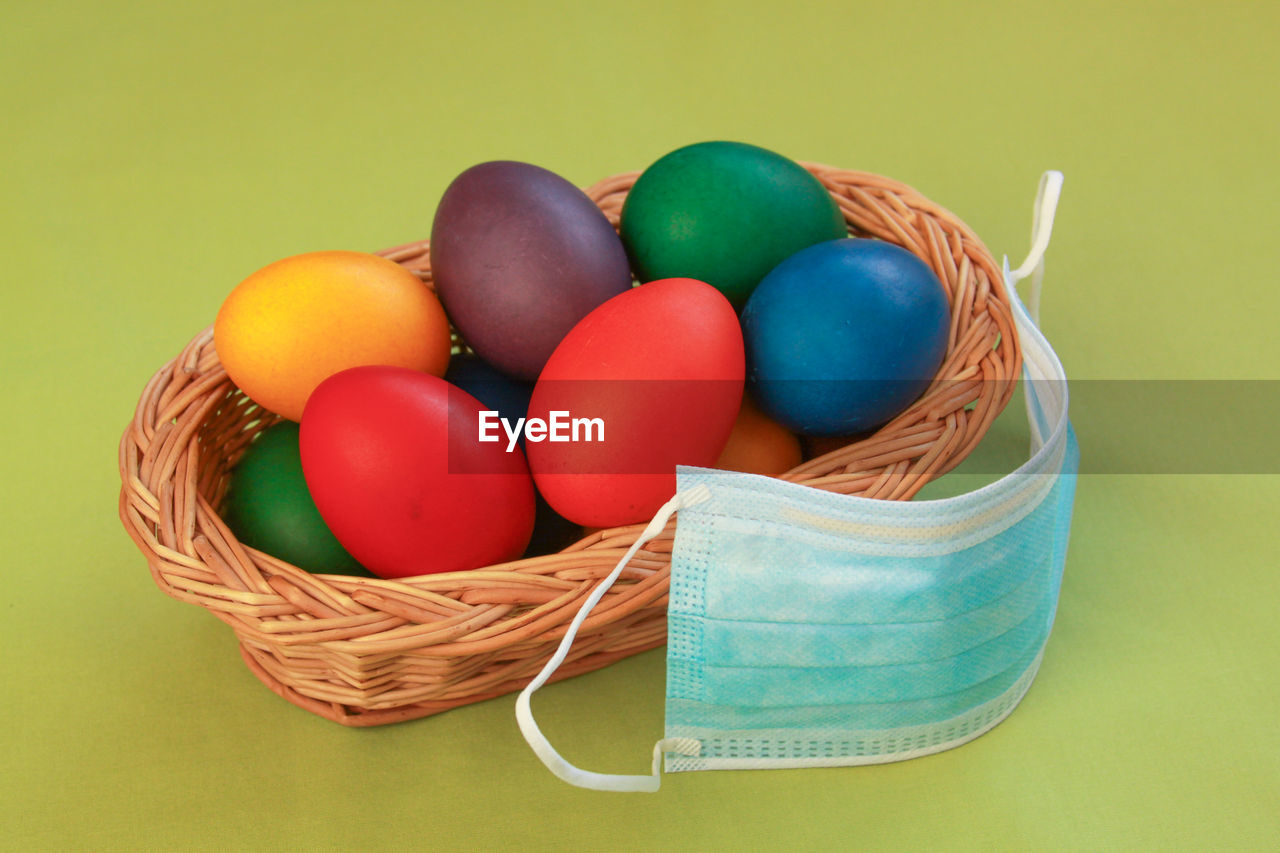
(808, 628)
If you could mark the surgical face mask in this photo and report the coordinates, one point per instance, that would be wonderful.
(809, 629)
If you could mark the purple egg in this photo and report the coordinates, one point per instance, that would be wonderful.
(519, 255)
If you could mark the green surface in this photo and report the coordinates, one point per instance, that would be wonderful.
(157, 153)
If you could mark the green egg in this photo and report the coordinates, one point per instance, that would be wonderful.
(269, 508)
(725, 213)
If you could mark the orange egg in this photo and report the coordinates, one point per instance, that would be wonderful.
(821, 445)
(759, 444)
(298, 321)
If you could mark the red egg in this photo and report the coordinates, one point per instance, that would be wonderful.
(659, 369)
(393, 460)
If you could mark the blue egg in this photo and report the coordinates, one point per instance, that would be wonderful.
(510, 399)
(552, 532)
(496, 391)
(844, 335)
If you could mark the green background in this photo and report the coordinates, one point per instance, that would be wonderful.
(157, 153)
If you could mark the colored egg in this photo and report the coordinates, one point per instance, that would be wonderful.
(660, 369)
(506, 395)
(758, 444)
(269, 508)
(843, 336)
(393, 460)
(725, 213)
(552, 532)
(821, 445)
(509, 397)
(295, 322)
(519, 255)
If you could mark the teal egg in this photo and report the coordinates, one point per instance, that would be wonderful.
(725, 213)
(844, 336)
(268, 506)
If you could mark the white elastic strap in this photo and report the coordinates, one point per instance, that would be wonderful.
(1035, 362)
(524, 714)
(1041, 228)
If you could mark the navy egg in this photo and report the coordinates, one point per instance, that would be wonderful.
(844, 335)
(510, 399)
(552, 532)
(503, 394)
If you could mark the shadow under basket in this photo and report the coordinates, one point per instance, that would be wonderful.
(364, 651)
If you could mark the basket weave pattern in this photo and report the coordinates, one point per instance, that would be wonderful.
(365, 651)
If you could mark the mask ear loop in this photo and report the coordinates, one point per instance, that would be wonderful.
(524, 714)
(1046, 205)
(1042, 216)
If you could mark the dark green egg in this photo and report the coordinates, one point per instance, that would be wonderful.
(269, 508)
(725, 213)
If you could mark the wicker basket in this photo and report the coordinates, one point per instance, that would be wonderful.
(365, 651)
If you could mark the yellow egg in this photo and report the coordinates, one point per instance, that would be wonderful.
(759, 444)
(294, 323)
